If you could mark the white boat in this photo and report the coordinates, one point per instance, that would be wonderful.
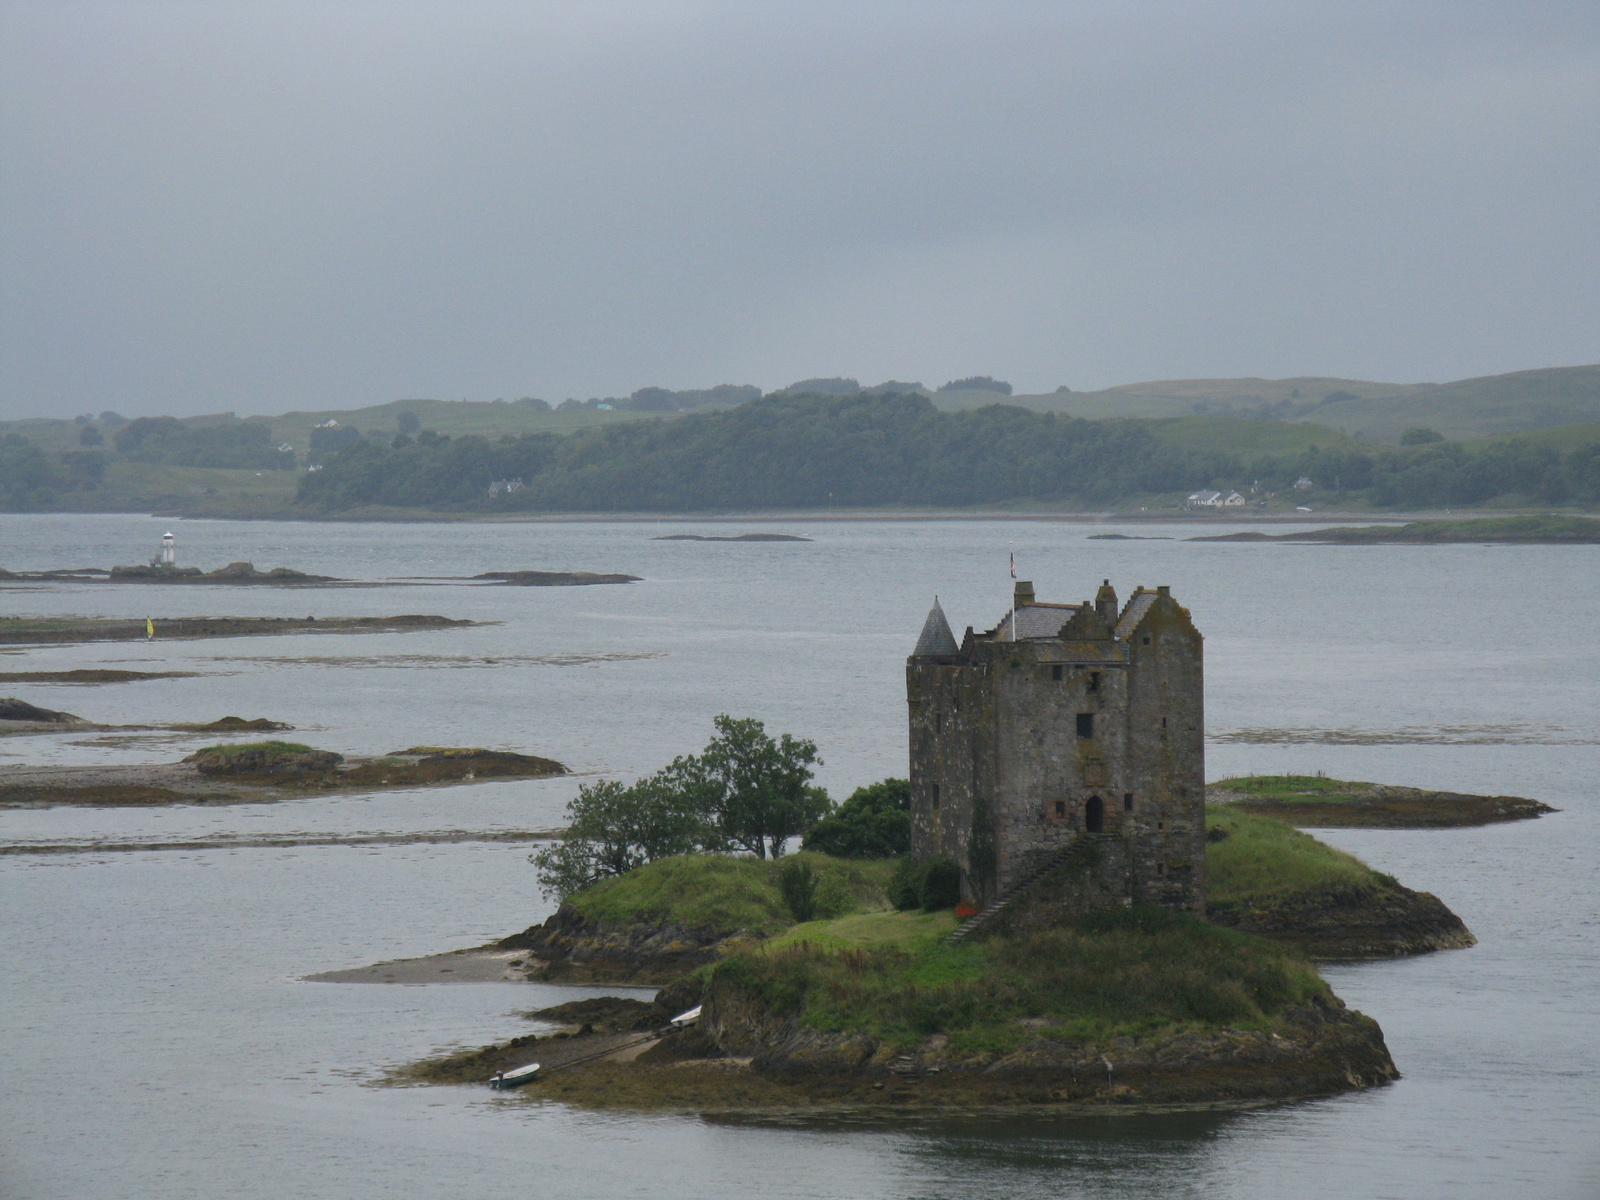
(516, 1078)
(684, 1020)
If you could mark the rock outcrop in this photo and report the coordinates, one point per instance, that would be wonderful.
(1348, 924)
(570, 948)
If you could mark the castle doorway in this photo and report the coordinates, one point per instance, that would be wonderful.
(1094, 815)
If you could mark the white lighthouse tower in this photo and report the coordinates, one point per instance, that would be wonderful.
(169, 550)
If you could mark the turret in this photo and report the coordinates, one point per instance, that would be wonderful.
(936, 641)
(1105, 603)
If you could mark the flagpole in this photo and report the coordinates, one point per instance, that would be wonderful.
(1013, 594)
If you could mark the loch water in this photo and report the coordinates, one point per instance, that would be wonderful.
(159, 1041)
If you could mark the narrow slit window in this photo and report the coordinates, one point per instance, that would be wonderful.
(1127, 801)
(1055, 672)
(1086, 725)
(933, 792)
(1094, 681)
(938, 723)
(1061, 808)
(1161, 868)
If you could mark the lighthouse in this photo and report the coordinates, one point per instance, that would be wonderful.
(169, 550)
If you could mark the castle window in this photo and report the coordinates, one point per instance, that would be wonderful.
(1146, 641)
(933, 792)
(1086, 725)
(1159, 824)
(1094, 815)
(1161, 868)
(938, 723)
(1094, 681)
(1163, 722)
(1127, 801)
(1055, 672)
(1061, 808)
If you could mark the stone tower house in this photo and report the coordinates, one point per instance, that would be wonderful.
(1068, 736)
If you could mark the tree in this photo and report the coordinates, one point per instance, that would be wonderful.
(758, 789)
(1417, 435)
(875, 822)
(409, 422)
(613, 829)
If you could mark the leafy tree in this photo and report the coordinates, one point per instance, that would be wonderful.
(1418, 436)
(940, 884)
(977, 383)
(228, 443)
(409, 422)
(613, 829)
(757, 788)
(875, 822)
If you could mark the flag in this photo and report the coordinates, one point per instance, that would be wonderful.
(1013, 564)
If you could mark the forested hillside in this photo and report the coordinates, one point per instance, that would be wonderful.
(814, 451)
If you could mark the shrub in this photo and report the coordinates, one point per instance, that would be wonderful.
(875, 822)
(905, 884)
(940, 885)
(798, 884)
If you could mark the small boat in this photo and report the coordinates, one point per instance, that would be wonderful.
(684, 1020)
(504, 1080)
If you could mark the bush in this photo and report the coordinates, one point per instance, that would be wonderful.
(940, 886)
(905, 884)
(931, 884)
(798, 884)
(875, 822)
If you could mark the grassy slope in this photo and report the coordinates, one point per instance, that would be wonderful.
(1466, 408)
(1262, 860)
(1125, 972)
(728, 893)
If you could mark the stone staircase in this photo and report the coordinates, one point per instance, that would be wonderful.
(976, 924)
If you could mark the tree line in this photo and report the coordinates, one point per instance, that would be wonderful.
(816, 451)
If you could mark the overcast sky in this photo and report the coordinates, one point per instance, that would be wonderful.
(265, 206)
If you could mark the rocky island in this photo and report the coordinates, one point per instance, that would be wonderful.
(1315, 801)
(260, 772)
(876, 1007)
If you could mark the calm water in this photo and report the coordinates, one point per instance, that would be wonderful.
(158, 1042)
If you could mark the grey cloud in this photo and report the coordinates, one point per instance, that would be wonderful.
(261, 206)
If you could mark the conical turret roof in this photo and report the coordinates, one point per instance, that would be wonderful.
(936, 640)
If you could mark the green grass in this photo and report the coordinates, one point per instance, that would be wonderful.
(1123, 972)
(720, 891)
(1262, 860)
(228, 750)
(1288, 788)
(868, 929)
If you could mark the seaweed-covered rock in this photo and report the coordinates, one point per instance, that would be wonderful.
(268, 759)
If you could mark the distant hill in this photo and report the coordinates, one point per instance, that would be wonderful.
(1375, 412)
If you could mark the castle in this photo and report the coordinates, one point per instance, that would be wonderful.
(1070, 735)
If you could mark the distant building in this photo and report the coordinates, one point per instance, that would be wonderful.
(1234, 500)
(1303, 484)
(1069, 736)
(504, 486)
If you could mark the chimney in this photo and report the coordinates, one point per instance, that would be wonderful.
(1164, 591)
(1105, 603)
(1023, 596)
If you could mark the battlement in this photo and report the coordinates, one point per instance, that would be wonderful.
(1063, 723)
